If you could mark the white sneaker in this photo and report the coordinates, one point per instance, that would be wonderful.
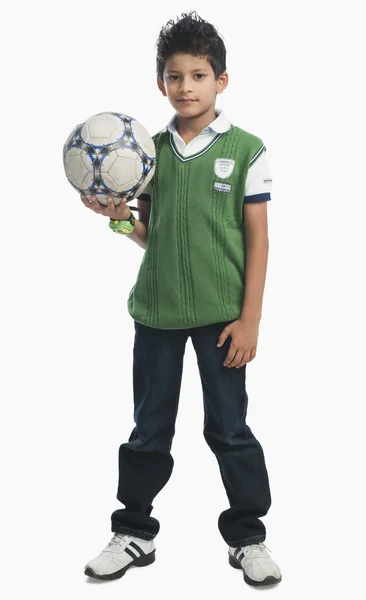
(121, 552)
(258, 567)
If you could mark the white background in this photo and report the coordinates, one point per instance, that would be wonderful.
(296, 72)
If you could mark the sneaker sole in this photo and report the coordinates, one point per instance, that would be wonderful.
(141, 561)
(269, 580)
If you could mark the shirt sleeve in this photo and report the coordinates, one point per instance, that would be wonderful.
(259, 182)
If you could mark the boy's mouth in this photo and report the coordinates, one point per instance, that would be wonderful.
(186, 100)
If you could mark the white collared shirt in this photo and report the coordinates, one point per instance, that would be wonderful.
(219, 125)
(258, 183)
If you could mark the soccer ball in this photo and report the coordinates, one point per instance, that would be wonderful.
(111, 154)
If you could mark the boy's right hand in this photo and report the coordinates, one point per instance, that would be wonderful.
(121, 212)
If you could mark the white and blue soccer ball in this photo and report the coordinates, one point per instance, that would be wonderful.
(110, 154)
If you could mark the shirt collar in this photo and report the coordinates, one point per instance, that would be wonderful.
(219, 125)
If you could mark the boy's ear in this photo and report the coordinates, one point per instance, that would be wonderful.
(222, 82)
(161, 86)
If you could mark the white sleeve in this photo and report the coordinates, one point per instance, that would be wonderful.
(259, 182)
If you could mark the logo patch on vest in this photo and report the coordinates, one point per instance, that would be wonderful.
(222, 187)
(223, 167)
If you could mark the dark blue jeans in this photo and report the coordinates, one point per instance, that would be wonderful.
(145, 461)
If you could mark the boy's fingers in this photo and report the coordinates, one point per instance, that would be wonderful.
(123, 201)
(111, 206)
(87, 201)
(96, 206)
(93, 203)
(116, 209)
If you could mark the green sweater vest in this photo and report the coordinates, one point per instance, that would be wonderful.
(193, 269)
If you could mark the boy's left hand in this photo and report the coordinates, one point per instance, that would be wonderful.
(244, 339)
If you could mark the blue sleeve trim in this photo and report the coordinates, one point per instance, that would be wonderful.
(265, 197)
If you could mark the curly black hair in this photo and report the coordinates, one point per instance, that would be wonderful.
(191, 35)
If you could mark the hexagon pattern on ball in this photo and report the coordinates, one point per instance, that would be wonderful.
(110, 154)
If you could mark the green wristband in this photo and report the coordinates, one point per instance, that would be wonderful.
(122, 227)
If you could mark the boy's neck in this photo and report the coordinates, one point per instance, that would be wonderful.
(189, 127)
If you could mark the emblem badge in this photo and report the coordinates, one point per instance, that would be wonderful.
(224, 167)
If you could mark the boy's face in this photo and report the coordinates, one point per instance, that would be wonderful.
(188, 76)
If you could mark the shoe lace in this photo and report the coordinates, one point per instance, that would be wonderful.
(261, 547)
(117, 539)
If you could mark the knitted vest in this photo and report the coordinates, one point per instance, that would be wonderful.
(193, 269)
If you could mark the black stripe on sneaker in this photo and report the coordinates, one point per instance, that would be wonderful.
(236, 552)
(136, 547)
(240, 556)
(130, 553)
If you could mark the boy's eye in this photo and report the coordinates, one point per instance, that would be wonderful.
(174, 77)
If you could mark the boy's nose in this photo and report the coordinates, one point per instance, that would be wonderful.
(185, 86)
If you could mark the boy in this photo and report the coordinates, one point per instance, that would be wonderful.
(206, 243)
